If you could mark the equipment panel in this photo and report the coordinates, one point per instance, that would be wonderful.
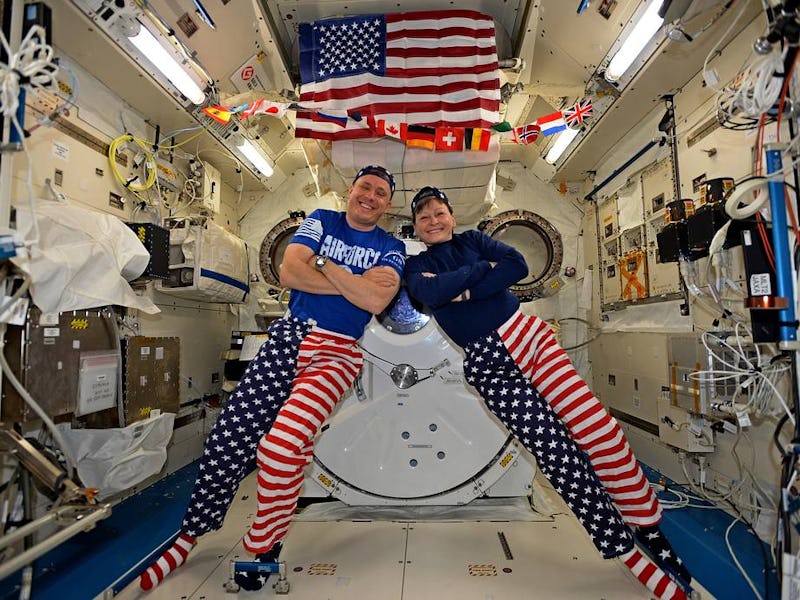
(46, 357)
(152, 373)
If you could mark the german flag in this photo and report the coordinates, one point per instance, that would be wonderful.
(477, 139)
(419, 136)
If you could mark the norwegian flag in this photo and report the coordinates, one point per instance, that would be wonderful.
(574, 116)
(527, 134)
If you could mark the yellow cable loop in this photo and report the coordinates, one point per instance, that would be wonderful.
(186, 141)
(149, 160)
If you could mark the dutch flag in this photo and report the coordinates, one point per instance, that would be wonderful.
(551, 124)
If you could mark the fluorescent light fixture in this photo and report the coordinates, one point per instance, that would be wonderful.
(163, 60)
(560, 144)
(643, 31)
(255, 156)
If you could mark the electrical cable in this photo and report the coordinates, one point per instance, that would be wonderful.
(736, 560)
(713, 53)
(48, 422)
(149, 163)
(31, 67)
(768, 567)
(751, 207)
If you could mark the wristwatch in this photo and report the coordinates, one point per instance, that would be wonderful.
(320, 261)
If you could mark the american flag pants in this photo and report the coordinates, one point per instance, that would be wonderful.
(512, 399)
(287, 391)
(534, 348)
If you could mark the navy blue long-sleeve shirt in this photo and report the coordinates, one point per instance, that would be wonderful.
(461, 264)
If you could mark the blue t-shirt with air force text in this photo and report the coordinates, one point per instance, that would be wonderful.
(327, 232)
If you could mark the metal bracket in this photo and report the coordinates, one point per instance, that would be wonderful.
(281, 586)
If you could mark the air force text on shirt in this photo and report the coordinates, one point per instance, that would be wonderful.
(356, 256)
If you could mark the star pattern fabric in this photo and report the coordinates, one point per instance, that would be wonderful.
(657, 546)
(230, 449)
(512, 398)
(355, 45)
(255, 580)
(327, 365)
(535, 350)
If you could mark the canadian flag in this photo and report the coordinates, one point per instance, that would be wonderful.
(382, 127)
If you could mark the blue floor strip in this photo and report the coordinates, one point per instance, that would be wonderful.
(698, 536)
(141, 527)
(95, 560)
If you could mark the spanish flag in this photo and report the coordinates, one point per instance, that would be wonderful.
(477, 139)
(219, 114)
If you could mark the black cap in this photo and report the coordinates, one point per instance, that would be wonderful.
(428, 193)
(378, 171)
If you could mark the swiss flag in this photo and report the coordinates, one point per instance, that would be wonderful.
(449, 139)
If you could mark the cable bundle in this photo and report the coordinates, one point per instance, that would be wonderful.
(754, 92)
(32, 66)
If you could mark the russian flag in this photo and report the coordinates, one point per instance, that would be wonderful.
(319, 117)
(551, 124)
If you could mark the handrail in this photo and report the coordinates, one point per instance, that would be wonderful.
(84, 523)
(660, 141)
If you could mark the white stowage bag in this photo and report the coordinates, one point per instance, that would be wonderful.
(84, 259)
(221, 265)
(113, 460)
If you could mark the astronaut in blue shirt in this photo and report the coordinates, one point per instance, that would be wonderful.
(342, 268)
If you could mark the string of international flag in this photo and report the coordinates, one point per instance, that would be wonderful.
(440, 139)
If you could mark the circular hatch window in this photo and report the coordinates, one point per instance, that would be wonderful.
(538, 242)
(274, 245)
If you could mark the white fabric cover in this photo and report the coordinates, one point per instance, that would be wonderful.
(84, 259)
(114, 460)
(219, 258)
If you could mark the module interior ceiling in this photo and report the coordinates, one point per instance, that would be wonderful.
(222, 51)
(561, 50)
(673, 65)
(287, 14)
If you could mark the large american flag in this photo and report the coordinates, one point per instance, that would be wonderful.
(434, 68)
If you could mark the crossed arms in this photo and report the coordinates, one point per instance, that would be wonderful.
(371, 291)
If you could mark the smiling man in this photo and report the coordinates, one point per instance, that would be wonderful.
(342, 268)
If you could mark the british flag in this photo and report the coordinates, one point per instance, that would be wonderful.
(574, 116)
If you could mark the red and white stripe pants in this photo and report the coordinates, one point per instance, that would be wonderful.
(327, 365)
(535, 349)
